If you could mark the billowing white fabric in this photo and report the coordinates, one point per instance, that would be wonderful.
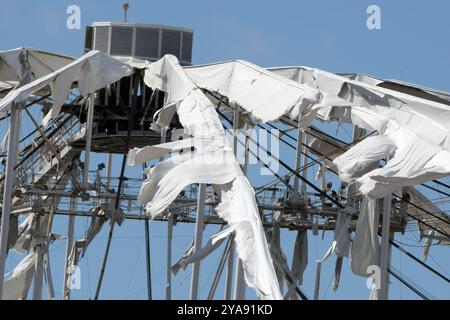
(163, 117)
(92, 71)
(238, 204)
(18, 281)
(167, 179)
(239, 208)
(366, 246)
(358, 158)
(419, 128)
(141, 155)
(266, 95)
(416, 160)
(427, 117)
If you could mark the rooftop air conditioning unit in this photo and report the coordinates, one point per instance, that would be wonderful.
(142, 41)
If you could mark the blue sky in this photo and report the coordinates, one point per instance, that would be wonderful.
(412, 46)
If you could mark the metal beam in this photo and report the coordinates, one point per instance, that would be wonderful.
(298, 155)
(147, 260)
(169, 256)
(69, 245)
(13, 145)
(38, 273)
(383, 292)
(198, 240)
(87, 151)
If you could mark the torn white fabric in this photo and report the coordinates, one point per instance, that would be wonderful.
(266, 95)
(163, 117)
(18, 281)
(4, 143)
(133, 62)
(342, 240)
(427, 245)
(340, 246)
(6, 86)
(17, 64)
(92, 71)
(30, 232)
(299, 261)
(25, 234)
(213, 243)
(417, 159)
(80, 246)
(167, 179)
(419, 128)
(141, 155)
(238, 204)
(358, 158)
(180, 264)
(366, 246)
(275, 246)
(239, 208)
(401, 86)
(374, 291)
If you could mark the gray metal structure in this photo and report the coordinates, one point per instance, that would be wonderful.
(48, 159)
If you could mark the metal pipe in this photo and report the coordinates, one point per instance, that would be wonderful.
(229, 275)
(317, 283)
(49, 278)
(198, 240)
(220, 268)
(108, 172)
(148, 262)
(38, 273)
(119, 191)
(298, 155)
(69, 245)
(87, 152)
(239, 281)
(383, 292)
(13, 145)
(169, 257)
(304, 165)
(147, 252)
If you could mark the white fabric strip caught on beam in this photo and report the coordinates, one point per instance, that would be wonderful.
(92, 71)
(265, 95)
(238, 204)
(18, 281)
